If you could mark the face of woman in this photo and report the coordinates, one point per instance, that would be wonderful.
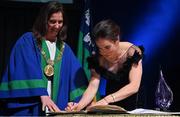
(108, 48)
(55, 24)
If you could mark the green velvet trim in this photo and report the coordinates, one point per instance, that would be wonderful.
(22, 84)
(57, 69)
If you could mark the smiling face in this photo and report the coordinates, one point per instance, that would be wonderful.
(108, 48)
(55, 23)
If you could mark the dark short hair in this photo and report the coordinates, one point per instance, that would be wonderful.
(40, 25)
(107, 29)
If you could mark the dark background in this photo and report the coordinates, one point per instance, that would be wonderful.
(17, 18)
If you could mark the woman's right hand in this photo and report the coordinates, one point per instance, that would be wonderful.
(72, 106)
(47, 102)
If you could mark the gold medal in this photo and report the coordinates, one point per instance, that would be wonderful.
(49, 70)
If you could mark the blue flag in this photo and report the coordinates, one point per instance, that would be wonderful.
(85, 44)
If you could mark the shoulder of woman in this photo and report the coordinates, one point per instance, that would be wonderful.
(125, 45)
(135, 49)
(130, 48)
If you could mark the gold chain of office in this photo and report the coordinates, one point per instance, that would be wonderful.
(49, 68)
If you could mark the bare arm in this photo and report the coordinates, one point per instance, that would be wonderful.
(89, 93)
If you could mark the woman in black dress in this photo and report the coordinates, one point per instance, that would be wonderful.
(120, 63)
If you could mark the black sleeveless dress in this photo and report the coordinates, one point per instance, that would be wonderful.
(115, 81)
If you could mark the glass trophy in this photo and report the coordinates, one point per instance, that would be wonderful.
(163, 94)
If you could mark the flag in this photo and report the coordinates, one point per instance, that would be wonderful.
(86, 47)
(85, 44)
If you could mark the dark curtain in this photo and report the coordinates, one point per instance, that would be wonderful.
(16, 18)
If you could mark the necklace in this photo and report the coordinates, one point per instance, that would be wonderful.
(49, 68)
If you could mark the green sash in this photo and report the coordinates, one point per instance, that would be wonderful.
(57, 68)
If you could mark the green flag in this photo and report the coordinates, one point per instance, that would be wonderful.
(85, 45)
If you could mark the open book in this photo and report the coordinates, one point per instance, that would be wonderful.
(113, 109)
(106, 109)
(100, 109)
